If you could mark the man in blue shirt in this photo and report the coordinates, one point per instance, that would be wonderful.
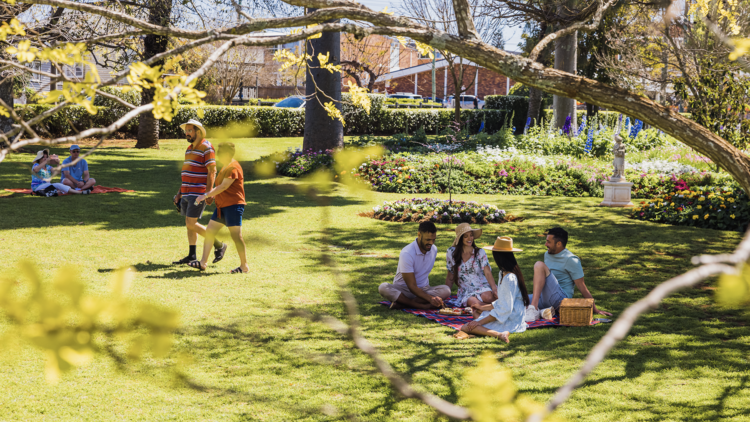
(77, 175)
(555, 278)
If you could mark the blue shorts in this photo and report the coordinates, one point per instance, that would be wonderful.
(230, 216)
(552, 294)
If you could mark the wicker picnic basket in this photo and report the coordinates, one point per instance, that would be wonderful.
(576, 312)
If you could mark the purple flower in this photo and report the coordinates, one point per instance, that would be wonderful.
(566, 126)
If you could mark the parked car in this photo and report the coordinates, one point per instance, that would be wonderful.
(467, 101)
(405, 96)
(291, 102)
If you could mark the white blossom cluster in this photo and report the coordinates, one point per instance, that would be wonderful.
(494, 154)
(661, 167)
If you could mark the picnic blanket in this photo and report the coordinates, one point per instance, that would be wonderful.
(97, 189)
(456, 322)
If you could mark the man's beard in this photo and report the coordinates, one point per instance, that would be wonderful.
(189, 139)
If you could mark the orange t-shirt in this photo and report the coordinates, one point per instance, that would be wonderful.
(235, 193)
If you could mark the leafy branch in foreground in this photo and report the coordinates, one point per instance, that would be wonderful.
(71, 326)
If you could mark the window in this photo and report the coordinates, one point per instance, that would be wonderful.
(75, 71)
(37, 66)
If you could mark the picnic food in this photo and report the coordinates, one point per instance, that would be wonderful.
(455, 311)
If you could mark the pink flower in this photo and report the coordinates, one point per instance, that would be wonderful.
(503, 173)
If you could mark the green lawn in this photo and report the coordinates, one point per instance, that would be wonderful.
(687, 360)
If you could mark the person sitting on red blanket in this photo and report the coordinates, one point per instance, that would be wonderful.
(41, 176)
(411, 285)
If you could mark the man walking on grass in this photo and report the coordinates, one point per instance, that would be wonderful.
(198, 175)
(411, 286)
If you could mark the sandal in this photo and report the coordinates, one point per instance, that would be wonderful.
(219, 253)
(237, 270)
(185, 260)
(197, 265)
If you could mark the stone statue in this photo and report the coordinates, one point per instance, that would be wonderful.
(619, 152)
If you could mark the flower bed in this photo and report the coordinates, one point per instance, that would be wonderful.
(439, 211)
(708, 207)
(482, 173)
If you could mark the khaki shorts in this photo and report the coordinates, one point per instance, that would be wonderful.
(393, 291)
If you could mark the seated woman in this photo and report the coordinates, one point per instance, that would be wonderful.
(476, 286)
(41, 174)
(505, 315)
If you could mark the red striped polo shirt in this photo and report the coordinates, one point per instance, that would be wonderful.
(194, 169)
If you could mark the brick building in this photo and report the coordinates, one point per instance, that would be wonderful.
(418, 80)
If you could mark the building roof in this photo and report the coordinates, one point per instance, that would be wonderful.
(439, 63)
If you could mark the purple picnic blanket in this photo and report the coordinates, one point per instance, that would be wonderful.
(456, 322)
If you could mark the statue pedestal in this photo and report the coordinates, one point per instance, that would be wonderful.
(617, 194)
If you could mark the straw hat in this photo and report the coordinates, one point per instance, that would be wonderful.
(463, 228)
(195, 123)
(40, 154)
(503, 244)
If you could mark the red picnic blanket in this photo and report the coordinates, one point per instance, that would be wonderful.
(97, 189)
(456, 322)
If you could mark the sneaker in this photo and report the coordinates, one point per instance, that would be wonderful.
(532, 314)
(51, 193)
(85, 192)
(548, 313)
(89, 190)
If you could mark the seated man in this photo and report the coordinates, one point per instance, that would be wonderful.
(555, 277)
(77, 175)
(411, 286)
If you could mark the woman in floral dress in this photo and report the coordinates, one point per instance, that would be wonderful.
(476, 286)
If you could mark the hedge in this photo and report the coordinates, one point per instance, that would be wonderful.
(268, 121)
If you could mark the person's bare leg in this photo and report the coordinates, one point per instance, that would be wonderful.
(239, 243)
(192, 225)
(196, 228)
(480, 330)
(67, 182)
(541, 272)
(477, 306)
(208, 242)
(417, 302)
(89, 183)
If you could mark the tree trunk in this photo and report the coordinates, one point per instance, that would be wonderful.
(148, 126)
(321, 131)
(565, 59)
(535, 106)
(6, 94)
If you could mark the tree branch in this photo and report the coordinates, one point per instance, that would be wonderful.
(580, 26)
(464, 21)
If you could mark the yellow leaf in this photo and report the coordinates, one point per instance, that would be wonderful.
(734, 289)
(52, 371)
(76, 357)
(121, 280)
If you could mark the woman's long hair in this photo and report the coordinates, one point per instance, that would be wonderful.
(506, 261)
(457, 256)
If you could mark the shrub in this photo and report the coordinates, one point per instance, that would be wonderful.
(439, 211)
(298, 163)
(721, 208)
(513, 105)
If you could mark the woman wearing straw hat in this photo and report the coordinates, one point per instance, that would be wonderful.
(41, 174)
(506, 314)
(469, 267)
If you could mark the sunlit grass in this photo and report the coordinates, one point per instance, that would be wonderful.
(687, 360)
